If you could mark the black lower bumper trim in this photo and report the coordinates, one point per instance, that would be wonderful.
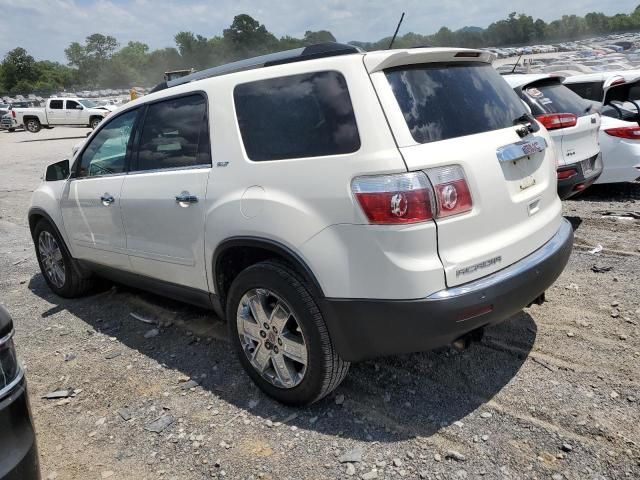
(18, 452)
(569, 187)
(367, 328)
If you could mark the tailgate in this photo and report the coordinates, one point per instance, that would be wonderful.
(464, 113)
(580, 141)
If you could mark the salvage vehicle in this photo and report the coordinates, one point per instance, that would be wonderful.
(333, 205)
(18, 450)
(8, 120)
(572, 123)
(62, 111)
(617, 94)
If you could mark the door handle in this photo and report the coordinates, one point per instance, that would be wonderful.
(185, 199)
(107, 199)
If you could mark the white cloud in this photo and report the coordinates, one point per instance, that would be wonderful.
(46, 27)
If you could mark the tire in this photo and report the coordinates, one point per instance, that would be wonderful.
(95, 121)
(73, 282)
(32, 125)
(11, 130)
(272, 284)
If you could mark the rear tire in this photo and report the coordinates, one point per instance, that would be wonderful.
(301, 331)
(11, 130)
(32, 125)
(59, 269)
(95, 121)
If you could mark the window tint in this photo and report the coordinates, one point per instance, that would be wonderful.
(55, 104)
(172, 132)
(308, 115)
(553, 97)
(106, 153)
(72, 105)
(442, 101)
(589, 90)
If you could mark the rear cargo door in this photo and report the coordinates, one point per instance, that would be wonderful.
(463, 113)
(578, 142)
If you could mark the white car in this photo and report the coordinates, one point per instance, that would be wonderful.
(63, 111)
(618, 93)
(332, 205)
(572, 124)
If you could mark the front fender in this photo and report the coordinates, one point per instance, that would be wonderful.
(45, 202)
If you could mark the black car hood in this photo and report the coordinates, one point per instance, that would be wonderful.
(6, 325)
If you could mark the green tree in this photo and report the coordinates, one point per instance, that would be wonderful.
(321, 36)
(248, 37)
(18, 67)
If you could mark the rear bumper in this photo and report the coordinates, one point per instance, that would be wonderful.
(582, 180)
(366, 328)
(18, 452)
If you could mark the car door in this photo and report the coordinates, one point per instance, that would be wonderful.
(91, 202)
(74, 113)
(55, 112)
(163, 197)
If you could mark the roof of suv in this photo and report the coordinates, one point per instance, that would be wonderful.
(520, 80)
(628, 75)
(374, 61)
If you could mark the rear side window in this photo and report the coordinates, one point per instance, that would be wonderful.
(297, 116)
(589, 90)
(553, 97)
(175, 135)
(55, 104)
(441, 101)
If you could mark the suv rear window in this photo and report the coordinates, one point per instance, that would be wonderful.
(297, 116)
(553, 97)
(441, 101)
(589, 90)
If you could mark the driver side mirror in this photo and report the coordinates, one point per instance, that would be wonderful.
(57, 171)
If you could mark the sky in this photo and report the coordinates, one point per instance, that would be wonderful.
(46, 27)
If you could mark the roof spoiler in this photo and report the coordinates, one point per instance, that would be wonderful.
(320, 50)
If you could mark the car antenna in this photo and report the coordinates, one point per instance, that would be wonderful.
(393, 39)
(517, 61)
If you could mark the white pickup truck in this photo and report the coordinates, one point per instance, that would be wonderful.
(62, 111)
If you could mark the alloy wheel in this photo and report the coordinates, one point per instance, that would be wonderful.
(51, 258)
(271, 338)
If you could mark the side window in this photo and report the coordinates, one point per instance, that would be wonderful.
(175, 134)
(589, 90)
(55, 104)
(297, 116)
(73, 105)
(106, 153)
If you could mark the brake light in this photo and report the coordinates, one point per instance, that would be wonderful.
(565, 174)
(395, 199)
(451, 190)
(554, 121)
(13, 113)
(630, 133)
(618, 81)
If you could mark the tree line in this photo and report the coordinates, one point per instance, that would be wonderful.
(102, 62)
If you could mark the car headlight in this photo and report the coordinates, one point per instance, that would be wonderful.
(9, 366)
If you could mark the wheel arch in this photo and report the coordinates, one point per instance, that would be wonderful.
(234, 254)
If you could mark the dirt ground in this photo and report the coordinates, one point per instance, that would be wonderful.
(554, 392)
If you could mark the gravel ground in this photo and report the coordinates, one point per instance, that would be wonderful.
(554, 392)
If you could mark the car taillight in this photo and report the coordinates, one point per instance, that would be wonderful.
(395, 199)
(630, 133)
(553, 121)
(13, 113)
(452, 192)
(565, 174)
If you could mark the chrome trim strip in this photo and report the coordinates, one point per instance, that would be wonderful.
(518, 150)
(7, 337)
(527, 263)
(6, 390)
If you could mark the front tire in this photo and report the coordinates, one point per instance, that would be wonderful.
(280, 336)
(32, 125)
(59, 269)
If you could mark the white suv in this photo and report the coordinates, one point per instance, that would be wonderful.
(333, 205)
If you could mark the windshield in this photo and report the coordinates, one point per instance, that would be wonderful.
(552, 97)
(432, 98)
(88, 103)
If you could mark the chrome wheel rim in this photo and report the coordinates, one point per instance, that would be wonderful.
(31, 126)
(271, 338)
(51, 259)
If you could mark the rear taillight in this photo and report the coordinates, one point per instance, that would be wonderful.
(13, 113)
(395, 199)
(553, 121)
(630, 133)
(412, 197)
(565, 174)
(452, 192)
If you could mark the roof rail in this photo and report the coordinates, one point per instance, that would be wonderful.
(320, 50)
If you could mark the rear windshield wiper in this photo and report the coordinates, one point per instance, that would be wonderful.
(530, 125)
